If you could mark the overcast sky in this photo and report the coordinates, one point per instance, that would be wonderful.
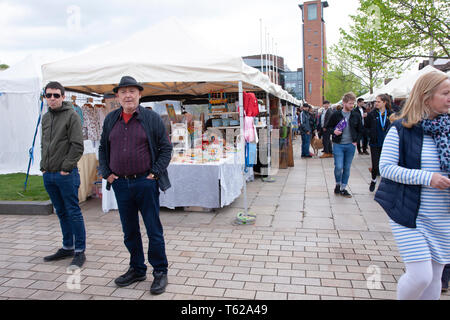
(55, 29)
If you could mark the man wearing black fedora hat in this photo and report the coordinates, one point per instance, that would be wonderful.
(134, 154)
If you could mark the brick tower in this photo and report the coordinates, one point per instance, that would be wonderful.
(314, 51)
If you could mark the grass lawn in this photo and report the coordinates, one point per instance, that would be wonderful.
(11, 188)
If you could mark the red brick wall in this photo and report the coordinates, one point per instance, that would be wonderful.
(314, 42)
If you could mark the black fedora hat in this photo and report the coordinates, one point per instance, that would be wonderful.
(128, 81)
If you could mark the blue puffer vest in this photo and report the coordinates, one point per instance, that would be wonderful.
(402, 201)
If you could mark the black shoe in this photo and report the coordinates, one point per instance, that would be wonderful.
(159, 283)
(366, 153)
(345, 193)
(337, 189)
(372, 186)
(129, 277)
(60, 254)
(78, 259)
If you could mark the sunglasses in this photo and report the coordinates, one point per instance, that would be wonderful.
(49, 95)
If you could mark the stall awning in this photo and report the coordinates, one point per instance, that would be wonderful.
(166, 60)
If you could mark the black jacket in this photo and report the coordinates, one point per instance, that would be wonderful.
(371, 124)
(160, 146)
(328, 114)
(354, 123)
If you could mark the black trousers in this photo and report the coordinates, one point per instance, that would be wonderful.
(326, 140)
(364, 139)
(375, 153)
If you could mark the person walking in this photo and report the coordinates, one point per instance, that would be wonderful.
(134, 154)
(346, 127)
(61, 148)
(415, 189)
(445, 278)
(306, 127)
(324, 132)
(377, 124)
(363, 139)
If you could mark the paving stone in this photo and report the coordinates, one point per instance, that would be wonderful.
(307, 244)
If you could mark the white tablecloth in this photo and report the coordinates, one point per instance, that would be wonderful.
(211, 185)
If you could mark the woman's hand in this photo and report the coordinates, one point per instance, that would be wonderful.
(438, 181)
(337, 132)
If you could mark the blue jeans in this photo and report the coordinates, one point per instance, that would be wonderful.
(343, 157)
(142, 195)
(63, 192)
(306, 141)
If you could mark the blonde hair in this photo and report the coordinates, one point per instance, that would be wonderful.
(349, 96)
(416, 108)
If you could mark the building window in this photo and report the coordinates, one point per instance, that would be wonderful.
(310, 87)
(309, 57)
(312, 11)
(315, 59)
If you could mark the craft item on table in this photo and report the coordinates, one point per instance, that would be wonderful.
(217, 102)
(171, 113)
(91, 122)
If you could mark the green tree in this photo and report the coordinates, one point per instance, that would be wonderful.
(357, 53)
(338, 82)
(408, 29)
(3, 66)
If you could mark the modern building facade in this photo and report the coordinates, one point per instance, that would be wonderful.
(293, 83)
(314, 51)
(273, 66)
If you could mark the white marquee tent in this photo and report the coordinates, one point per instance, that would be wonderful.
(400, 87)
(20, 87)
(166, 60)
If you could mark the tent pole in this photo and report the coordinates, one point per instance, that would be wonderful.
(31, 151)
(269, 143)
(241, 120)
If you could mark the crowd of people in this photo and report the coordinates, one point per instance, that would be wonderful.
(410, 149)
(368, 132)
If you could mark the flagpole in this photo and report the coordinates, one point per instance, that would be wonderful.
(261, 42)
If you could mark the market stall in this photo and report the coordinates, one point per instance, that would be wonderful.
(178, 67)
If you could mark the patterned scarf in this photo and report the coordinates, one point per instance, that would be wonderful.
(439, 130)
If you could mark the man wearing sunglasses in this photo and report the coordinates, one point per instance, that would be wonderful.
(61, 149)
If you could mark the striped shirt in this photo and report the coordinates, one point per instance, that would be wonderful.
(431, 239)
(130, 152)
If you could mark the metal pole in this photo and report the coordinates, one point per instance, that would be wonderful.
(277, 80)
(261, 43)
(267, 53)
(273, 62)
(241, 118)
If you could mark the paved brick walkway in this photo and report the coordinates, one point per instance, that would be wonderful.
(306, 244)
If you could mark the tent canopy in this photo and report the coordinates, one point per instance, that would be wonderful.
(20, 87)
(401, 87)
(23, 77)
(166, 60)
